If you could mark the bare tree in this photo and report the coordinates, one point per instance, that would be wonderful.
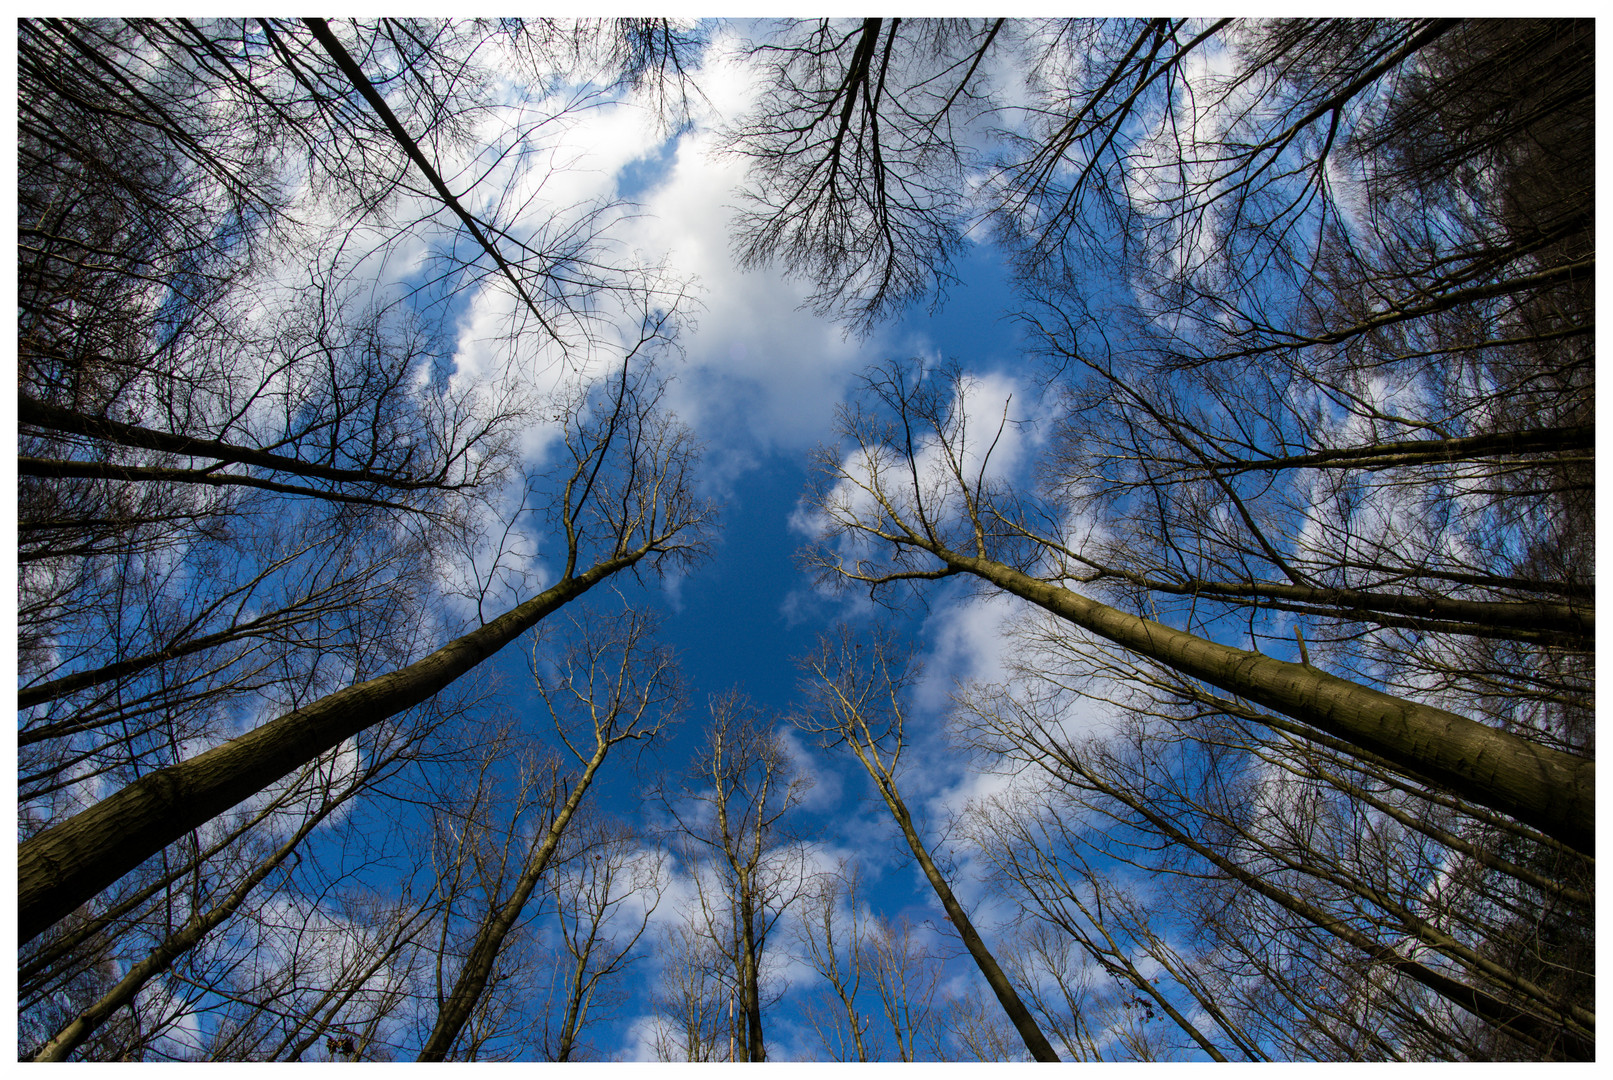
(952, 519)
(613, 685)
(697, 989)
(624, 497)
(606, 890)
(729, 817)
(200, 923)
(240, 455)
(856, 157)
(835, 947)
(855, 691)
(1298, 853)
(906, 966)
(172, 930)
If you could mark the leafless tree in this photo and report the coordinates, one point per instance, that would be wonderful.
(729, 817)
(624, 497)
(835, 945)
(606, 889)
(234, 932)
(613, 685)
(889, 517)
(696, 996)
(238, 464)
(855, 692)
(185, 937)
(856, 157)
(1348, 869)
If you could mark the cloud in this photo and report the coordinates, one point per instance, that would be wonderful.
(761, 372)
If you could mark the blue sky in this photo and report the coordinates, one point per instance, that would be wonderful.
(626, 217)
(742, 617)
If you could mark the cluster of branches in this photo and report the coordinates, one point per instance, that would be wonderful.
(728, 825)
(1311, 536)
(411, 924)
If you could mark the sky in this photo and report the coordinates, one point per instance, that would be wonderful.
(758, 380)
(757, 376)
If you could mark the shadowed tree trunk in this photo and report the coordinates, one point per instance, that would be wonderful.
(65, 865)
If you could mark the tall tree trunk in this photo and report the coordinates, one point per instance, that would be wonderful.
(750, 980)
(69, 863)
(39, 414)
(1007, 996)
(472, 981)
(573, 1018)
(1545, 788)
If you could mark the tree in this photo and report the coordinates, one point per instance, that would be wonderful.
(264, 919)
(835, 948)
(625, 496)
(611, 683)
(306, 448)
(855, 693)
(907, 973)
(855, 157)
(952, 520)
(729, 818)
(324, 791)
(1258, 830)
(696, 989)
(607, 874)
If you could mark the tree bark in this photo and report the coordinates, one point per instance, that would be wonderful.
(69, 863)
(750, 979)
(1545, 788)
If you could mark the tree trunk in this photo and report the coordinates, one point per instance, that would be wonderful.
(173, 947)
(495, 928)
(39, 414)
(1545, 788)
(69, 863)
(1007, 996)
(573, 1019)
(1535, 620)
(755, 1048)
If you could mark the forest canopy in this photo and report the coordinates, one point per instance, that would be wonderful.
(857, 539)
